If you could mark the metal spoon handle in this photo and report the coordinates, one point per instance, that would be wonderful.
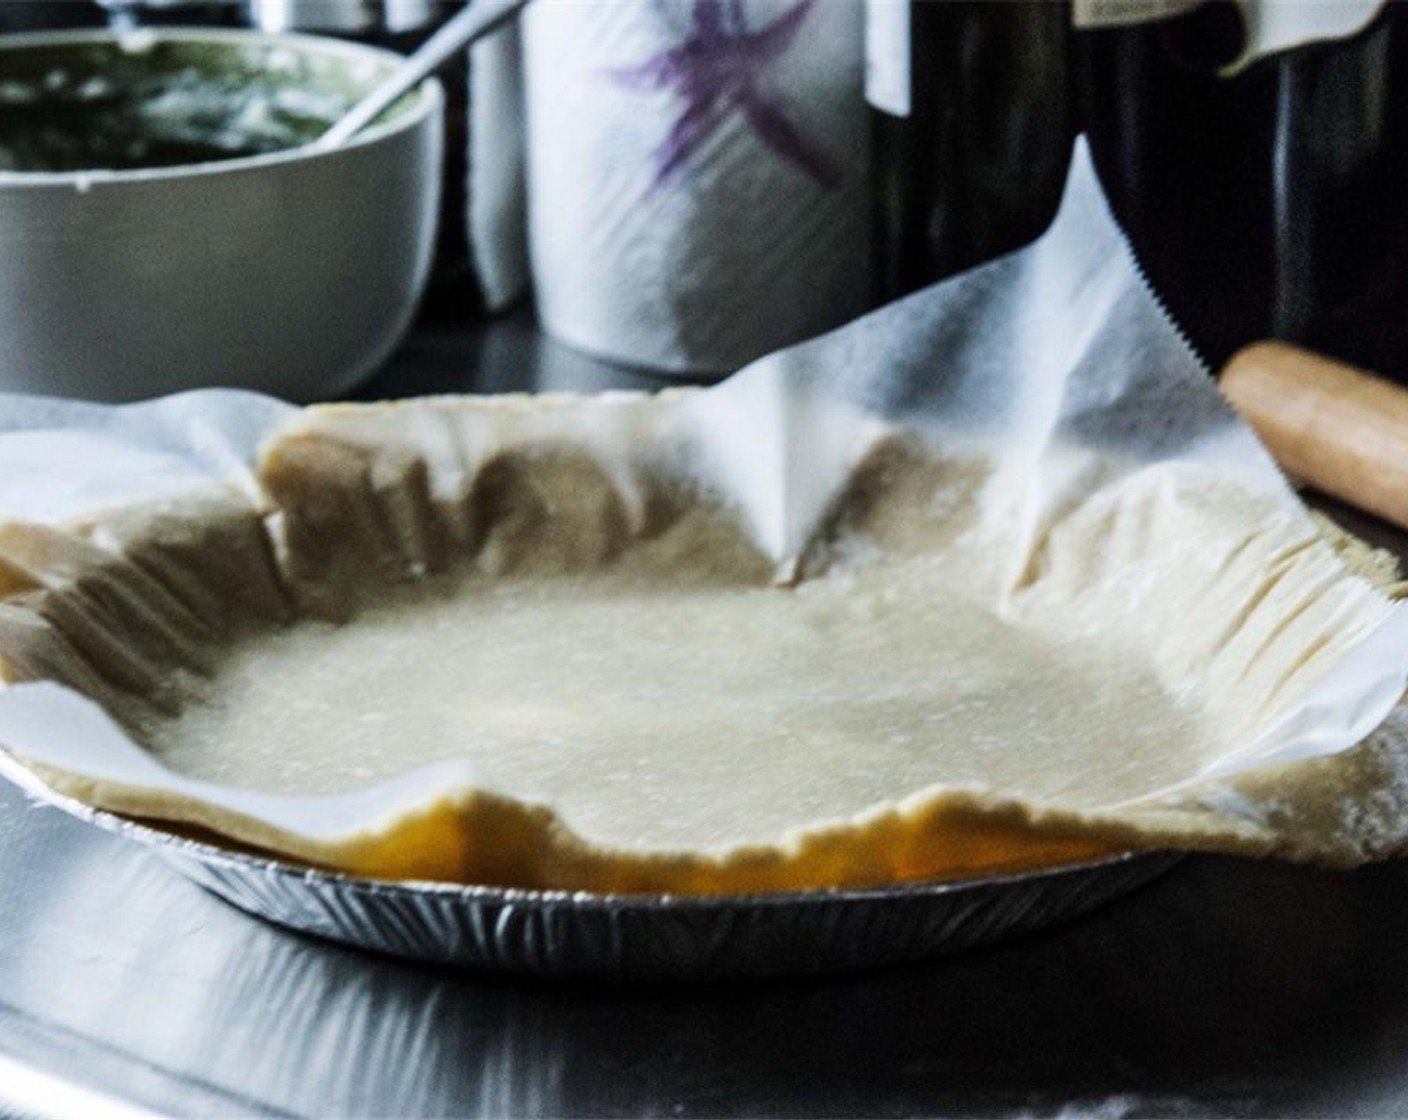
(477, 20)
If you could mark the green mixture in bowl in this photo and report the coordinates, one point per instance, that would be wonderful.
(141, 101)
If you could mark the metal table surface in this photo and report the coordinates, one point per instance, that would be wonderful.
(1227, 987)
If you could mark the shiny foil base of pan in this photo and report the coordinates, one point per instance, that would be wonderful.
(637, 937)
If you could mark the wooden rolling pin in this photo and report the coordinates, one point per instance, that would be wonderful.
(1330, 425)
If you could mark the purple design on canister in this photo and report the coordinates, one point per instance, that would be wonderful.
(715, 72)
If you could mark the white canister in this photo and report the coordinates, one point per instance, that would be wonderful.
(698, 175)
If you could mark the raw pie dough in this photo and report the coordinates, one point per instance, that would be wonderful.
(647, 700)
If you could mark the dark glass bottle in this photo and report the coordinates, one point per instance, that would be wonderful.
(1270, 203)
(1182, 152)
(1339, 217)
(972, 122)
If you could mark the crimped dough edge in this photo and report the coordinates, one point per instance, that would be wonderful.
(111, 605)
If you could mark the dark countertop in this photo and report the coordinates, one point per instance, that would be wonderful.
(1226, 987)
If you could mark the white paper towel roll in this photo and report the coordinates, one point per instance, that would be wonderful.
(697, 175)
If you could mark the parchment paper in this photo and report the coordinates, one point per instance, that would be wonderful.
(1055, 362)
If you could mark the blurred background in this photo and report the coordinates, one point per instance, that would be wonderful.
(681, 185)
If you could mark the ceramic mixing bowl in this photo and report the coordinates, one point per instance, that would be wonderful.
(163, 226)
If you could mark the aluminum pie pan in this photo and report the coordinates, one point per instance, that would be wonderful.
(630, 936)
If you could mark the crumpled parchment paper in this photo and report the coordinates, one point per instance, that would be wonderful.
(1054, 366)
